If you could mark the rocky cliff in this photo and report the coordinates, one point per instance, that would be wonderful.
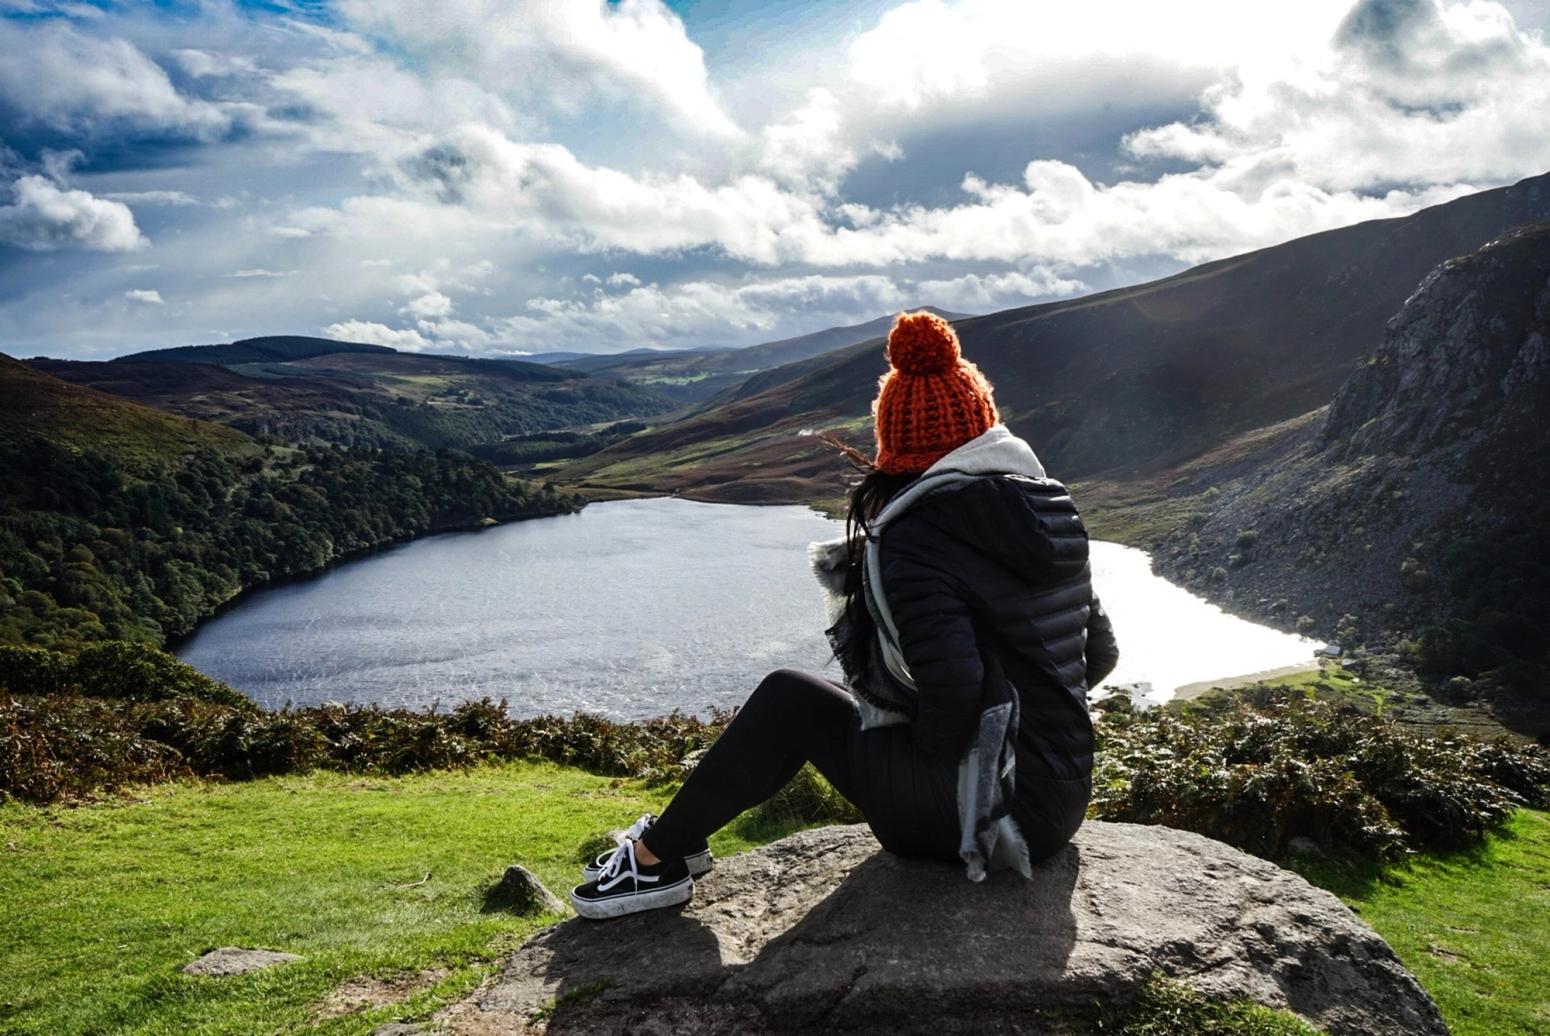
(824, 932)
(1417, 502)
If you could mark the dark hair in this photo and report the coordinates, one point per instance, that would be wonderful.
(867, 498)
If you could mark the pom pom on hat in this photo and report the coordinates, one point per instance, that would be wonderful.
(932, 400)
(922, 343)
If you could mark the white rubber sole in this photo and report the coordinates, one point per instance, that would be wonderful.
(619, 906)
(698, 864)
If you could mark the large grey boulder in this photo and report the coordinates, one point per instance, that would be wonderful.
(825, 931)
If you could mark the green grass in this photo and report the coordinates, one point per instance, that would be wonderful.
(1170, 1008)
(104, 903)
(1473, 926)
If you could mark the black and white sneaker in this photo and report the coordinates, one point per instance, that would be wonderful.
(697, 862)
(627, 886)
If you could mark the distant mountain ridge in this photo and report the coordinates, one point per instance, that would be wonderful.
(277, 348)
(698, 376)
(300, 389)
(308, 389)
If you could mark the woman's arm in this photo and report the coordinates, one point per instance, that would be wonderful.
(1102, 650)
(938, 642)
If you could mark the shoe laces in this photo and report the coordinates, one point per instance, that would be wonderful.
(616, 863)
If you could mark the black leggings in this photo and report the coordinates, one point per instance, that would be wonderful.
(909, 800)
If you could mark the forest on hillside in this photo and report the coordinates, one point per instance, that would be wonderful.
(91, 550)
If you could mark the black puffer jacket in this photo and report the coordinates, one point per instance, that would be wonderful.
(990, 578)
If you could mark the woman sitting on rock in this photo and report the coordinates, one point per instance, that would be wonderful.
(963, 616)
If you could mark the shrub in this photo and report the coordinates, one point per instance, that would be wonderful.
(1262, 775)
(139, 672)
(62, 746)
(32, 670)
(111, 669)
(65, 747)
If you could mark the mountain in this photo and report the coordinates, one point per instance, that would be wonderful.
(76, 418)
(1411, 515)
(818, 343)
(316, 390)
(120, 521)
(694, 376)
(554, 357)
(1134, 379)
(633, 357)
(277, 348)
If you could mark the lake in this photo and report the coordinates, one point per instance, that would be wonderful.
(632, 608)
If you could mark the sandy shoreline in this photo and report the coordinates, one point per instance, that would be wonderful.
(1229, 683)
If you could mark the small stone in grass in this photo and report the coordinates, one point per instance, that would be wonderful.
(520, 891)
(234, 960)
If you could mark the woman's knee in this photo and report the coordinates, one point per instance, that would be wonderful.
(796, 690)
(781, 678)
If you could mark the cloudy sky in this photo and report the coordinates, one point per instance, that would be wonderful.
(510, 176)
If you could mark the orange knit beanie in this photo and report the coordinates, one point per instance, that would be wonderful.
(932, 400)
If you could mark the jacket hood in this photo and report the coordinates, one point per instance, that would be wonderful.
(994, 452)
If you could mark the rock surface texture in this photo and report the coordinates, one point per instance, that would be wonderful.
(824, 931)
(234, 960)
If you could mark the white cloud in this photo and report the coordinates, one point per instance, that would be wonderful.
(431, 304)
(545, 191)
(46, 218)
(997, 290)
(147, 295)
(1056, 216)
(203, 64)
(928, 53)
(457, 334)
(807, 148)
(889, 150)
(699, 312)
(375, 107)
(152, 197)
(1406, 92)
(259, 272)
(554, 54)
(71, 81)
(370, 332)
(313, 220)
